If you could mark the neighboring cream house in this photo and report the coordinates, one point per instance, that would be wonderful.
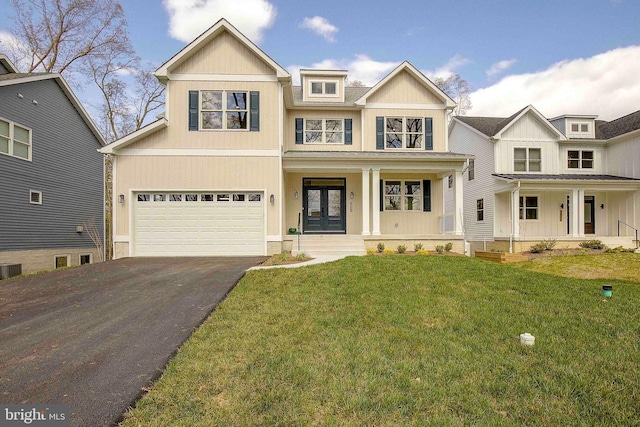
(242, 156)
(568, 178)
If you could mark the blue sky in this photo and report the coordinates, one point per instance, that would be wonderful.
(562, 56)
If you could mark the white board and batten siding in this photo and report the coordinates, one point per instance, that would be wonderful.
(463, 139)
(212, 223)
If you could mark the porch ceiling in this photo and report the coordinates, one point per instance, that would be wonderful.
(569, 181)
(357, 161)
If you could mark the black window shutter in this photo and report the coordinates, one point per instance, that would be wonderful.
(426, 195)
(254, 100)
(193, 109)
(379, 133)
(299, 135)
(428, 133)
(381, 195)
(348, 135)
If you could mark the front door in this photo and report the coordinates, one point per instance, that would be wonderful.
(589, 215)
(324, 206)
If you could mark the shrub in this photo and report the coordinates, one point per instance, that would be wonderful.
(619, 249)
(422, 252)
(417, 247)
(592, 244)
(448, 247)
(301, 257)
(402, 249)
(549, 244)
(538, 248)
(388, 251)
(371, 251)
(380, 247)
(440, 249)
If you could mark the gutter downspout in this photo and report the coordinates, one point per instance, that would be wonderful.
(513, 218)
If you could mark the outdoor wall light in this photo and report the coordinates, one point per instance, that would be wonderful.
(272, 199)
(79, 229)
(296, 194)
(602, 206)
(351, 195)
(561, 205)
(121, 198)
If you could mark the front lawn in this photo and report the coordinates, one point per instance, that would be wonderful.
(407, 340)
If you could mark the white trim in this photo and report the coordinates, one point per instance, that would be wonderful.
(274, 238)
(222, 25)
(67, 90)
(366, 202)
(121, 239)
(85, 254)
(260, 78)
(541, 118)
(55, 257)
(375, 201)
(11, 140)
(380, 105)
(209, 152)
(361, 130)
(39, 193)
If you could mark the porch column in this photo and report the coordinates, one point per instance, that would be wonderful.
(458, 203)
(574, 214)
(366, 202)
(375, 196)
(581, 212)
(515, 212)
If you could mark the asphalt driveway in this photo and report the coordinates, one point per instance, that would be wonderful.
(94, 337)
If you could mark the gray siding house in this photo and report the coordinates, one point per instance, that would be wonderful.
(51, 171)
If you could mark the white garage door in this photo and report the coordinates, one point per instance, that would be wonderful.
(198, 224)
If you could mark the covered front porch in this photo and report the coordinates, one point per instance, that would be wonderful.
(395, 198)
(567, 208)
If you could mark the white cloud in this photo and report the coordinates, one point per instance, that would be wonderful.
(500, 66)
(606, 84)
(449, 68)
(362, 68)
(190, 18)
(320, 26)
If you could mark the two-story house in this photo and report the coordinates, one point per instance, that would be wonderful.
(242, 156)
(51, 173)
(568, 178)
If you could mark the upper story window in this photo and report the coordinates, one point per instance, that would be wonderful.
(472, 169)
(324, 88)
(324, 131)
(404, 132)
(15, 140)
(579, 127)
(527, 160)
(577, 159)
(318, 131)
(412, 133)
(224, 110)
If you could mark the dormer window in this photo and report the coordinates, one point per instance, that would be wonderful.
(327, 88)
(579, 127)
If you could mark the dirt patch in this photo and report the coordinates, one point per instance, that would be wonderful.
(284, 259)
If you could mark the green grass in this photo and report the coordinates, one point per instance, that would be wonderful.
(407, 340)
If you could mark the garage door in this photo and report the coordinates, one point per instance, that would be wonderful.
(198, 224)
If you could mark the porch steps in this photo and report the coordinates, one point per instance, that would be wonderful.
(329, 244)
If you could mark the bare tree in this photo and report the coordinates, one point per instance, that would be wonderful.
(94, 233)
(355, 83)
(458, 89)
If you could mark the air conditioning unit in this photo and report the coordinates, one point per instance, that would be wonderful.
(10, 270)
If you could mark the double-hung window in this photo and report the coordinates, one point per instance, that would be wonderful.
(220, 109)
(528, 207)
(319, 131)
(402, 195)
(527, 160)
(15, 140)
(577, 159)
(404, 132)
(480, 210)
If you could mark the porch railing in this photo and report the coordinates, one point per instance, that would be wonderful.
(633, 228)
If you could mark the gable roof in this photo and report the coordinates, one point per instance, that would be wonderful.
(351, 95)
(222, 25)
(493, 127)
(406, 66)
(21, 78)
(135, 136)
(620, 126)
(6, 63)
